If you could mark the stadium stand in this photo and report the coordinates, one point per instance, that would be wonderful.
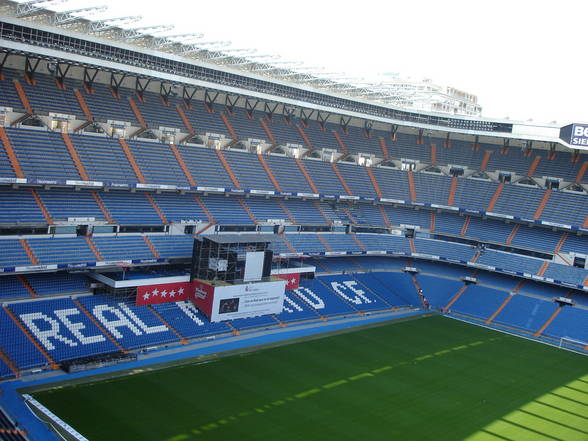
(130, 176)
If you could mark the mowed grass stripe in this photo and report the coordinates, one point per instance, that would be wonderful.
(426, 379)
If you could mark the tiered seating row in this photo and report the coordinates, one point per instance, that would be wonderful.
(104, 160)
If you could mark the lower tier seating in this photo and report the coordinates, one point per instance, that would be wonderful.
(38, 333)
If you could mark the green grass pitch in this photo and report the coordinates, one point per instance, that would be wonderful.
(425, 379)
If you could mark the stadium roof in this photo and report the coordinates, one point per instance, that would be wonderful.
(394, 90)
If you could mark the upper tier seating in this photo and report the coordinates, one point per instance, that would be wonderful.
(157, 114)
(46, 97)
(42, 154)
(245, 126)
(157, 163)
(248, 170)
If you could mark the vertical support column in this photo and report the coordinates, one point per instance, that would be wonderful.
(156, 208)
(341, 143)
(204, 209)
(512, 234)
(151, 247)
(543, 268)
(229, 126)
(42, 206)
(541, 206)
(228, 168)
(247, 210)
(411, 186)
(486, 160)
(534, 165)
(581, 172)
(452, 190)
(374, 181)
(83, 105)
(305, 138)
(548, 322)
(183, 165)
(306, 176)
(94, 249)
(268, 131)
(495, 197)
(131, 159)
(324, 242)
(11, 154)
(23, 97)
(102, 207)
(185, 120)
(455, 298)
(74, 156)
(27, 248)
(137, 113)
(384, 148)
(341, 179)
(268, 172)
(466, 224)
(384, 215)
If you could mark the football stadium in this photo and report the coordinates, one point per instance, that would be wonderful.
(198, 243)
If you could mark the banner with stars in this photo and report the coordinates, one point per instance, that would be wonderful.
(292, 279)
(165, 292)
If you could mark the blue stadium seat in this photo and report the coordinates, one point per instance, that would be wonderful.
(132, 326)
(62, 329)
(354, 293)
(322, 299)
(185, 318)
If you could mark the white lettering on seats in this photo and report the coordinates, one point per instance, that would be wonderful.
(44, 335)
(76, 328)
(292, 303)
(190, 310)
(112, 325)
(358, 296)
(146, 328)
(316, 304)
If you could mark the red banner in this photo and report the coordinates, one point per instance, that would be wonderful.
(202, 294)
(165, 292)
(292, 279)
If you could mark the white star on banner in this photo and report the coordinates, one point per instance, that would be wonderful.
(164, 293)
(155, 292)
(172, 293)
(181, 291)
(146, 296)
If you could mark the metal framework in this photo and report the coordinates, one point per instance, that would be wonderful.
(375, 97)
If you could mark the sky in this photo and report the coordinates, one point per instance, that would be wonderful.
(525, 60)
